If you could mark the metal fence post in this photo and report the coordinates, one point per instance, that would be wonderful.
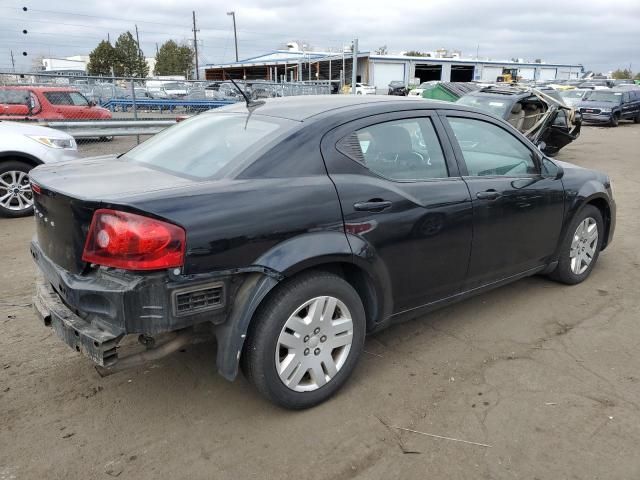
(135, 109)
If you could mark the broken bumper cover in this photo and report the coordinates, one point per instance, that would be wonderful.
(98, 342)
(92, 312)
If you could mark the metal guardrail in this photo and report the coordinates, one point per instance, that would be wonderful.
(161, 104)
(110, 128)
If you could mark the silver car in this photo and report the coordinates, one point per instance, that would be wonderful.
(23, 147)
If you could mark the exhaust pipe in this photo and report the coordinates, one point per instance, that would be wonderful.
(181, 340)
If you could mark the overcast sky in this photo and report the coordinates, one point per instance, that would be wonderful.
(600, 35)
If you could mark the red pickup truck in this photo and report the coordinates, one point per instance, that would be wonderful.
(47, 103)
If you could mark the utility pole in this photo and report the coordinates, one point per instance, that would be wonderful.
(195, 44)
(138, 43)
(157, 50)
(354, 66)
(235, 33)
(13, 63)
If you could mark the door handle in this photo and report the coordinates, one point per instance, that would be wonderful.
(488, 195)
(372, 205)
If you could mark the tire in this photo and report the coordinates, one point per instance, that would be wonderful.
(306, 370)
(636, 119)
(15, 174)
(565, 271)
(615, 119)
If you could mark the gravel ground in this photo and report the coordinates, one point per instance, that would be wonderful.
(546, 374)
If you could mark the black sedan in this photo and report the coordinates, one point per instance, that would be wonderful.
(398, 88)
(290, 229)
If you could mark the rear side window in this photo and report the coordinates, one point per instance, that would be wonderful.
(406, 149)
(14, 97)
(489, 150)
(210, 144)
(66, 98)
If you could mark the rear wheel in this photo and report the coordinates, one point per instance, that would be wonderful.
(580, 247)
(305, 340)
(16, 197)
(636, 119)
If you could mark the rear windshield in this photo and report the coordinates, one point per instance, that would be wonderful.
(14, 97)
(209, 145)
(604, 96)
(493, 105)
(66, 98)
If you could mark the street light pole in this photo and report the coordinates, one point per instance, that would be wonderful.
(235, 33)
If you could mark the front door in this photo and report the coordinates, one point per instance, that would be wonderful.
(402, 198)
(517, 211)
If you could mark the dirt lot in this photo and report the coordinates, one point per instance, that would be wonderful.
(547, 375)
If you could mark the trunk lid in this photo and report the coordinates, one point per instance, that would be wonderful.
(71, 192)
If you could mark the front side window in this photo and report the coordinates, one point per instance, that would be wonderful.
(488, 150)
(66, 98)
(398, 150)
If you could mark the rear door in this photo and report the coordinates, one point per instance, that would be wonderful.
(402, 197)
(517, 211)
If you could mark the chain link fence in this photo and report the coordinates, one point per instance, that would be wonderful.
(110, 115)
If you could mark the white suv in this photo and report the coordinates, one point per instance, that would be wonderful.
(22, 147)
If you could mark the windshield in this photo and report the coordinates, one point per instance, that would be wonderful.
(604, 96)
(492, 105)
(174, 86)
(207, 145)
(572, 93)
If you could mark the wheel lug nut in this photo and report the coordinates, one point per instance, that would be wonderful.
(306, 338)
(323, 338)
(316, 331)
(306, 351)
(317, 351)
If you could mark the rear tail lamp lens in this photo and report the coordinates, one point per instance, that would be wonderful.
(133, 242)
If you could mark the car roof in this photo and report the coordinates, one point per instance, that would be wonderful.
(40, 89)
(303, 107)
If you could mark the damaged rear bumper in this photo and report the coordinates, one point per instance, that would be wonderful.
(93, 312)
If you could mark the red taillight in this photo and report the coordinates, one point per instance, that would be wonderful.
(133, 242)
(35, 188)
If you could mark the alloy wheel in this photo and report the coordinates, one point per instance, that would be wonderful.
(583, 245)
(314, 344)
(15, 191)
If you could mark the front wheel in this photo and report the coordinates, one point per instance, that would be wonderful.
(16, 197)
(615, 119)
(305, 340)
(580, 247)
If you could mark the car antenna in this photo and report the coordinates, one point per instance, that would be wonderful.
(251, 104)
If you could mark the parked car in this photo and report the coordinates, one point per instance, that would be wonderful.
(22, 147)
(48, 103)
(361, 89)
(417, 92)
(397, 87)
(334, 217)
(572, 97)
(611, 106)
(540, 113)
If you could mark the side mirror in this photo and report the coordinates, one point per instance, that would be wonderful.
(91, 103)
(541, 146)
(551, 169)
